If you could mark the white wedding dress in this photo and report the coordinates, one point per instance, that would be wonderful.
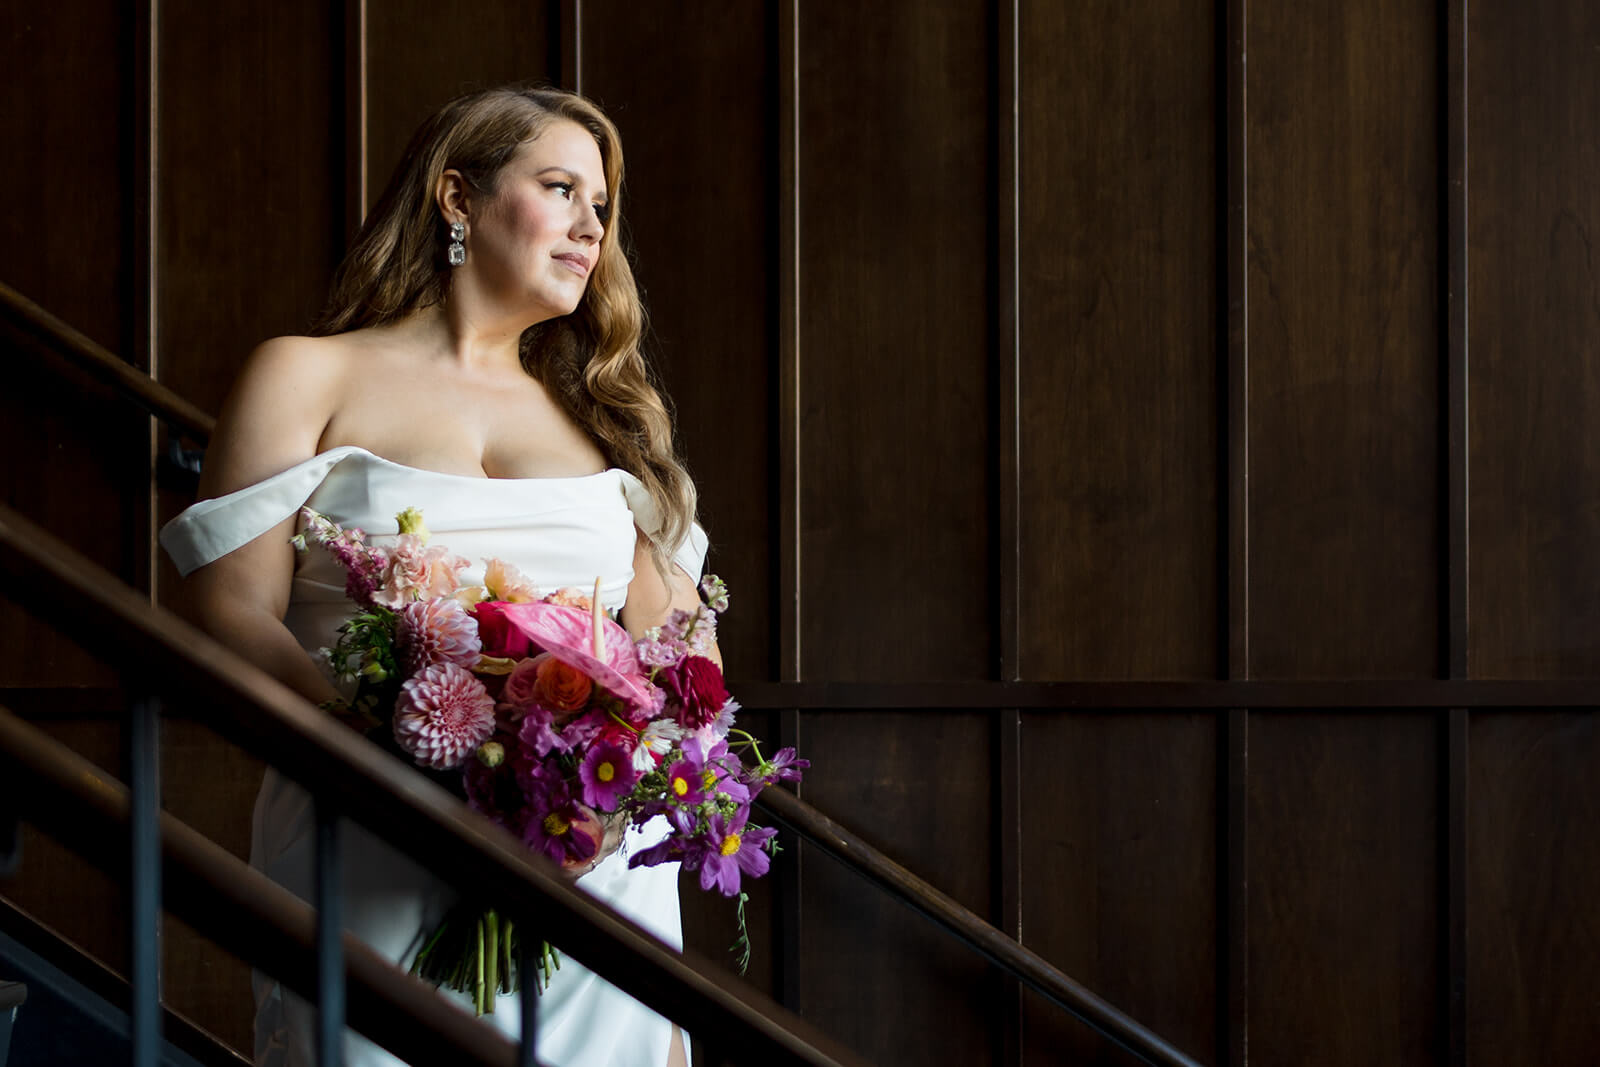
(560, 532)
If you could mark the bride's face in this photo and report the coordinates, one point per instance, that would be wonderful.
(536, 241)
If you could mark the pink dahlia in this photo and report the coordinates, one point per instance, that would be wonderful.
(437, 631)
(442, 715)
(695, 691)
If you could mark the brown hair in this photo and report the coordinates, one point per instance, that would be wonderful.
(590, 360)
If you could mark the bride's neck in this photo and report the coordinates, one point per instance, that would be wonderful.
(452, 332)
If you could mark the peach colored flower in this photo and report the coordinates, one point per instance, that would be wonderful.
(417, 572)
(505, 582)
(571, 598)
(559, 686)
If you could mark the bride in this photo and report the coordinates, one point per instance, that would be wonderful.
(479, 359)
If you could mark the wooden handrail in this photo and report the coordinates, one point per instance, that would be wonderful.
(99, 361)
(1029, 968)
(264, 923)
(159, 651)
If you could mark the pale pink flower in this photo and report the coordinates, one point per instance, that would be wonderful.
(417, 572)
(505, 582)
(571, 598)
(442, 715)
(437, 631)
(520, 683)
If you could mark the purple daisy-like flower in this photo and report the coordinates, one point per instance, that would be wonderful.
(607, 774)
(729, 849)
(442, 715)
(437, 631)
(557, 825)
(686, 782)
(782, 767)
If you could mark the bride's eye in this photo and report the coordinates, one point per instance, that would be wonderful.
(565, 187)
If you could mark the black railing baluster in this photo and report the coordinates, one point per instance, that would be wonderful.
(10, 832)
(144, 920)
(330, 934)
(529, 954)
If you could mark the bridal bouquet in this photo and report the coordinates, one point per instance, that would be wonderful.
(550, 720)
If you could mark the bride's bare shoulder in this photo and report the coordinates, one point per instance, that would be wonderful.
(285, 393)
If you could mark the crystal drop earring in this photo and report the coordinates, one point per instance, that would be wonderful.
(458, 249)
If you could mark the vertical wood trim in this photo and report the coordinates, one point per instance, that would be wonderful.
(358, 150)
(570, 29)
(789, 397)
(786, 58)
(1233, 871)
(1007, 363)
(146, 271)
(1453, 903)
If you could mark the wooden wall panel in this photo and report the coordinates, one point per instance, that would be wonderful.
(422, 53)
(1343, 332)
(1344, 936)
(874, 974)
(1119, 397)
(1533, 879)
(251, 175)
(895, 193)
(1119, 875)
(700, 197)
(69, 248)
(1534, 306)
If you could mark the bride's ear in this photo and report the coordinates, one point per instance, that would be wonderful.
(452, 194)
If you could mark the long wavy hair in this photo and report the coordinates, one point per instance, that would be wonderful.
(589, 361)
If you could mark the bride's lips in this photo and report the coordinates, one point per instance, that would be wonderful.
(578, 264)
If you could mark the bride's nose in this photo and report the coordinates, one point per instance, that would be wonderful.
(587, 226)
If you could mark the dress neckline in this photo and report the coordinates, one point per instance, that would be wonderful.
(357, 450)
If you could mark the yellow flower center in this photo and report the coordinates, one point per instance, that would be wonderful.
(555, 825)
(680, 785)
(730, 844)
(605, 772)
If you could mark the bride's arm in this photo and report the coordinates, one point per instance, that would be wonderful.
(272, 420)
(652, 599)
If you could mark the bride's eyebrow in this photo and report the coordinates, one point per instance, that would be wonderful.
(574, 178)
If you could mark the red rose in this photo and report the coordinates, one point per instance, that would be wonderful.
(499, 637)
(695, 691)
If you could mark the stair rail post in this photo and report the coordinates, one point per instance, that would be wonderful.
(330, 936)
(144, 904)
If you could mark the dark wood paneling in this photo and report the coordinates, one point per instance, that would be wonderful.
(67, 235)
(700, 198)
(1534, 877)
(249, 209)
(874, 974)
(1118, 379)
(1343, 207)
(896, 197)
(1344, 935)
(1119, 870)
(1534, 288)
(421, 53)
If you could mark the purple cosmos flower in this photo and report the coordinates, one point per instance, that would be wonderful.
(607, 774)
(558, 826)
(727, 849)
(783, 767)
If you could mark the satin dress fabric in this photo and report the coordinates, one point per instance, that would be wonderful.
(561, 533)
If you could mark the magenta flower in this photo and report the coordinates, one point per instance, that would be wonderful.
(727, 849)
(557, 825)
(783, 767)
(686, 782)
(538, 731)
(436, 631)
(442, 715)
(567, 633)
(695, 691)
(607, 775)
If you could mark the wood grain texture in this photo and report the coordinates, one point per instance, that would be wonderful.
(1344, 930)
(251, 184)
(1343, 334)
(1534, 291)
(1118, 378)
(1533, 879)
(68, 247)
(874, 974)
(1119, 875)
(422, 53)
(896, 199)
(700, 203)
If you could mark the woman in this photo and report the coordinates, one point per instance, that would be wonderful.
(479, 359)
